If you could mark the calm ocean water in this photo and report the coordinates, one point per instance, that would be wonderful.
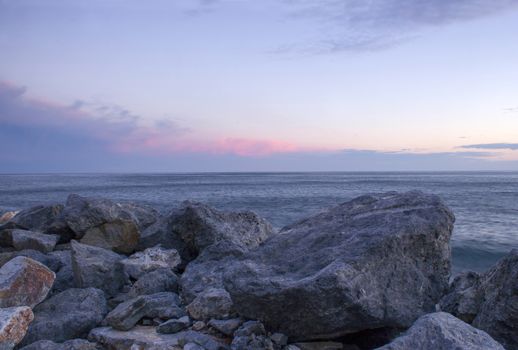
(485, 204)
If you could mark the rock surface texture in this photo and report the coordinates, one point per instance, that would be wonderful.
(14, 322)
(149, 260)
(489, 301)
(376, 261)
(24, 239)
(442, 331)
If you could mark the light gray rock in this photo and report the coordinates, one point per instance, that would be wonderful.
(6, 216)
(149, 260)
(14, 322)
(74, 344)
(377, 261)
(212, 303)
(98, 268)
(174, 325)
(24, 239)
(489, 301)
(226, 327)
(161, 280)
(442, 331)
(68, 315)
(251, 336)
(146, 338)
(24, 282)
(160, 305)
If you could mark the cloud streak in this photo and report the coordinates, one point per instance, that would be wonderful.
(494, 146)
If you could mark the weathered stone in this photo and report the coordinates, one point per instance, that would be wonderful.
(489, 301)
(376, 261)
(8, 215)
(174, 325)
(320, 345)
(198, 325)
(24, 282)
(161, 280)
(212, 303)
(162, 305)
(192, 346)
(14, 322)
(149, 260)
(251, 336)
(64, 275)
(102, 223)
(67, 315)
(146, 338)
(48, 260)
(226, 327)
(74, 344)
(24, 239)
(442, 331)
(279, 339)
(97, 267)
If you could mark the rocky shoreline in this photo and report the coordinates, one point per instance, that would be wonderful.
(371, 273)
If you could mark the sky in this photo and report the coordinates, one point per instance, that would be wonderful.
(271, 85)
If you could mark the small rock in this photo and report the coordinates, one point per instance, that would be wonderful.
(24, 282)
(149, 260)
(74, 344)
(226, 327)
(320, 345)
(174, 325)
(198, 326)
(279, 339)
(212, 303)
(24, 239)
(98, 268)
(14, 322)
(442, 331)
(161, 280)
(8, 215)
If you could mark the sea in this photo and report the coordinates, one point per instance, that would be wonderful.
(485, 203)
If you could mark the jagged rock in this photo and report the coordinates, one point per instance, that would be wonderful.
(174, 325)
(146, 338)
(212, 303)
(97, 267)
(149, 260)
(14, 322)
(48, 260)
(43, 218)
(320, 345)
(192, 346)
(68, 315)
(24, 239)
(64, 275)
(160, 305)
(74, 344)
(279, 340)
(489, 301)
(377, 261)
(102, 223)
(226, 327)
(251, 336)
(144, 215)
(442, 331)
(8, 215)
(161, 280)
(24, 282)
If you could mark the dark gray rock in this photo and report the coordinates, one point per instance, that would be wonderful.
(489, 301)
(74, 344)
(226, 327)
(98, 268)
(25, 239)
(174, 325)
(251, 336)
(68, 315)
(442, 331)
(160, 305)
(320, 345)
(211, 303)
(377, 261)
(64, 275)
(48, 260)
(161, 280)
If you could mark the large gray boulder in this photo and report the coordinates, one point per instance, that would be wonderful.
(49, 260)
(489, 301)
(442, 331)
(104, 223)
(25, 239)
(98, 268)
(377, 261)
(24, 282)
(68, 315)
(14, 322)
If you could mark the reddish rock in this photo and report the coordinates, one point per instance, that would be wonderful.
(14, 322)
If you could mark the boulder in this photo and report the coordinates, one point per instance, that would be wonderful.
(161, 280)
(74, 344)
(226, 327)
(24, 282)
(442, 331)
(64, 275)
(174, 325)
(489, 301)
(8, 215)
(149, 260)
(98, 268)
(211, 303)
(14, 322)
(68, 315)
(48, 260)
(146, 338)
(160, 305)
(102, 223)
(24, 239)
(377, 261)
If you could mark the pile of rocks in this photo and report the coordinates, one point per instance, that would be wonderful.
(369, 273)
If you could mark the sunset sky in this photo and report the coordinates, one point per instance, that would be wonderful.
(270, 85)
